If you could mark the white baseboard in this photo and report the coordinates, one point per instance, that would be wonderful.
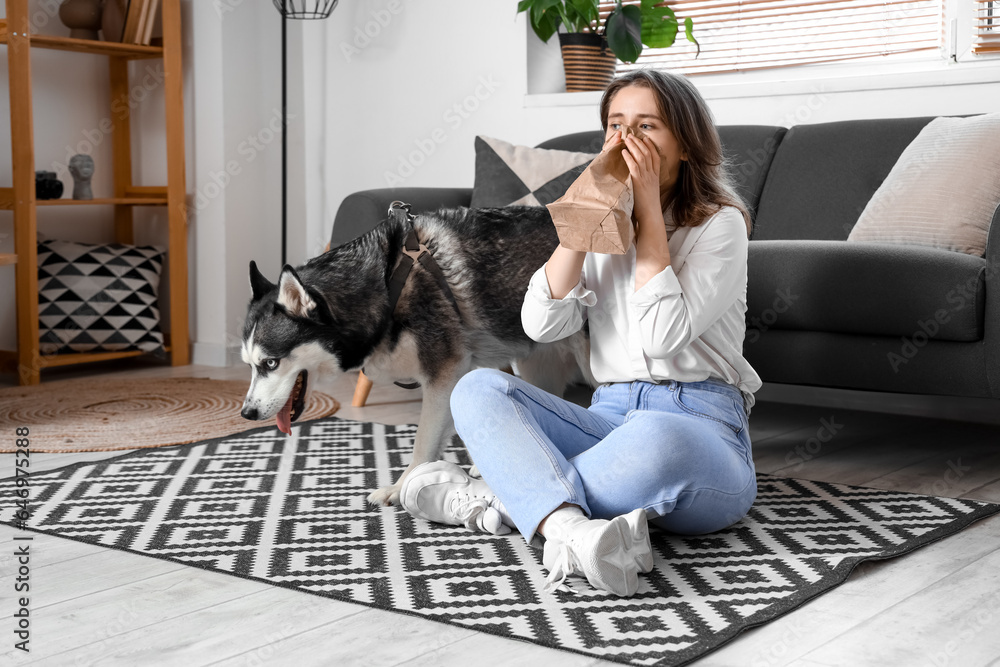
(984, 410)
(210, 354)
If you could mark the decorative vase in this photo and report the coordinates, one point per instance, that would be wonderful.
(47, 186)
(113, 20)
(82, 17)
(588, 61)
(81, 168)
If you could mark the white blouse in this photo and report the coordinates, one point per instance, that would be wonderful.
(686, 324)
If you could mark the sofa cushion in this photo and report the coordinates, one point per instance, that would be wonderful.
(823, 175)
(521, 175)
(360, 212)
(749, 151)
(943, 190)
(865, 288)
(591, 141)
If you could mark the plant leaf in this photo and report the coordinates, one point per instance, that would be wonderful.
(546, 26)
(586, 10)
(689, 33)
(539, 9)
(659, 25)
(543, 15)
(624, 32)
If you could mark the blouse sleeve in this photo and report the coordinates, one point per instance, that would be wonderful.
(546, 319)
(673, 309)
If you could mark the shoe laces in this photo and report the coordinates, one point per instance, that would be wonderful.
(564, 565)
(473, 511)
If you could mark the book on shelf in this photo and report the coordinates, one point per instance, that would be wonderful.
(140, 21)
(147, 32)
(132, 19)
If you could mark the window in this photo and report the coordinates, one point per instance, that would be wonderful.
(986, 37)
(756, 34)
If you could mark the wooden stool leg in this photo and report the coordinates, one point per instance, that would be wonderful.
(361, 390)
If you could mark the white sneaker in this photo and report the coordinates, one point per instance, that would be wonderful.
(443, 492)
(610, 554)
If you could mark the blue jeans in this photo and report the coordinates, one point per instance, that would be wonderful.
(679, 450)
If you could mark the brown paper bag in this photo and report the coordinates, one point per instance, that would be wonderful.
(595, 214)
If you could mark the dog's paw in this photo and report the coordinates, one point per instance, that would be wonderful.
(384, 497)
(474, 471)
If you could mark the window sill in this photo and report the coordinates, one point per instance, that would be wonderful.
(834, 78)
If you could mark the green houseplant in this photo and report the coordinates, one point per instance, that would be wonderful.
(650, 22)
(588, 44)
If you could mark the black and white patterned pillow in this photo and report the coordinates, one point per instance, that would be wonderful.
(98, 298)
(507, 174)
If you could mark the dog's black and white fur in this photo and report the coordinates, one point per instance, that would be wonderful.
(332, 314)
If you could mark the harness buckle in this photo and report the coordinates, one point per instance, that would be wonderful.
(400, 210)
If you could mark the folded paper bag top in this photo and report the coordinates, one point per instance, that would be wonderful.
(595, 214)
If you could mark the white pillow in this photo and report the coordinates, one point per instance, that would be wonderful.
(943, 190)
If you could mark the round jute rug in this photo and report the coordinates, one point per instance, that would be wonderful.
(94, 415)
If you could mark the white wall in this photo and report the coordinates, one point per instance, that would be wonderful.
(405, 104)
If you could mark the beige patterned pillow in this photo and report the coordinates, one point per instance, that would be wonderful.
(943, 190)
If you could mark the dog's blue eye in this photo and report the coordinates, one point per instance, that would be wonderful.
(270, 364)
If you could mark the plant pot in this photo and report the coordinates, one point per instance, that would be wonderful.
(82, 17)
(588, 61)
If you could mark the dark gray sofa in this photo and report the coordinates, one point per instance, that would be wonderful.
(821, 311)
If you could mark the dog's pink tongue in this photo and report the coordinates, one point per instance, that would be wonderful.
(285, 418)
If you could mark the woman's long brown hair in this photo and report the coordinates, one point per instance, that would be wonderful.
(703, 185)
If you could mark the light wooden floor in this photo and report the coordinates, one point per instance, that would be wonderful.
(937, 606)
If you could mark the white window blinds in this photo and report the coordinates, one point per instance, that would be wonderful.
(986, 27)
(755, 34)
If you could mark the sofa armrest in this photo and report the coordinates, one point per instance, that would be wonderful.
(362, 211)
(991, 314)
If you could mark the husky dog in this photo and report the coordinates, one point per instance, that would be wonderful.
(333, 315)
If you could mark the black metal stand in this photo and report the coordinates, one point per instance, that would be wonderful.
(284, 143)
(304, 9)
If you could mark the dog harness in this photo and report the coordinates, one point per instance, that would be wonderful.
(413, 251)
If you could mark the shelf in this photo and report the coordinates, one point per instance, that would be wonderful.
(54, 360)
(121, 200)
(8, 358)
(93, 46)
(106, 201)
(137, 196)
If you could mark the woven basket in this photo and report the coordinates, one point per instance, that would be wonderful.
(588, 61)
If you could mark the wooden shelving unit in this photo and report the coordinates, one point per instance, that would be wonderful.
(27, 362)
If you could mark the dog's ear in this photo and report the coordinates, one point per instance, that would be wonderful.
(293, 296)
(259, 285)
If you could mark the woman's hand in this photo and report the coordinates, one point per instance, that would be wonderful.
(643, 160)
(652, 252)
(611, 140)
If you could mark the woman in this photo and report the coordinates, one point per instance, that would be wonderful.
(666, 436)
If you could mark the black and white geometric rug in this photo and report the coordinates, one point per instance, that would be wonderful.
(292, 512)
